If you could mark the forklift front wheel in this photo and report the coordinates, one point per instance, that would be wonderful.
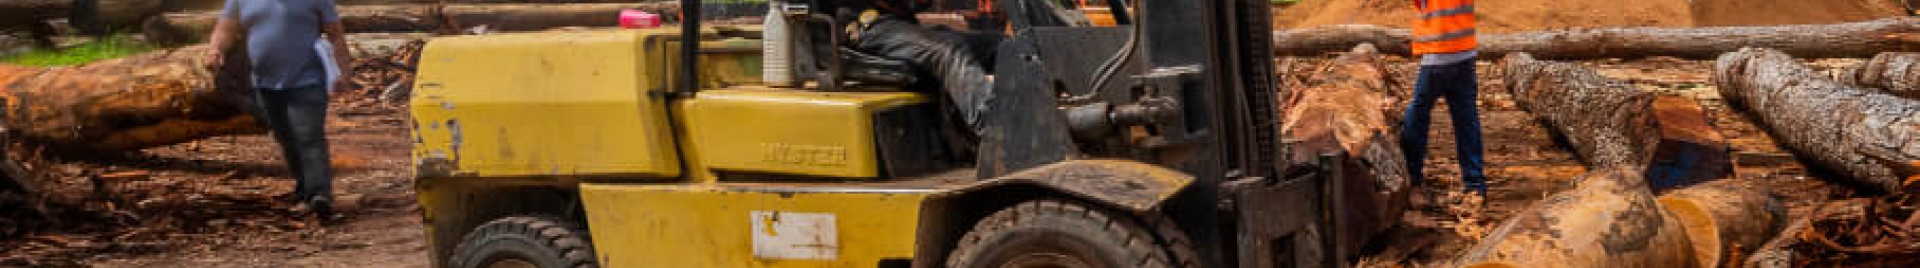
(1052, 233)
(524, 241)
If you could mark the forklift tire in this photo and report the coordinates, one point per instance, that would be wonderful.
(1053, 233)
(525, 241)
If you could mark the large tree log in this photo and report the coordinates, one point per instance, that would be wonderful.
(1610, 123)
(1893, 73)
(187, 28)
(1609, 220)
(1838, 127)
(118, 105)
(1343, 110)
(181, 5)
(1844, 40)
(1725, 219)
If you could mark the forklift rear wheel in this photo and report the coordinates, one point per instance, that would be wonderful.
(525, 242)
(1051, 233)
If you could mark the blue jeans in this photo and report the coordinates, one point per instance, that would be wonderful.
(298, 118)
(1458, 84)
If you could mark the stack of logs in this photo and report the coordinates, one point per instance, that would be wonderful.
(1844, 40)
(193, 27)
(1657, 197)
(1863, 135)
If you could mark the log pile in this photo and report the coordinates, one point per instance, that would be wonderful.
(1844, 40)
(113, 106)
(1611, 219)
(193, 27)
(1610, 123)
(1893, 73)
(1848, 130)
(1326, 117)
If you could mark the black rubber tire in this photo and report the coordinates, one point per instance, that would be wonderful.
(1055, 232)
(541, 241)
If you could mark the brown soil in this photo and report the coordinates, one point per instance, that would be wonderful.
(1500, 16)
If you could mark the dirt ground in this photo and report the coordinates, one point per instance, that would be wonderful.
(1500, 16)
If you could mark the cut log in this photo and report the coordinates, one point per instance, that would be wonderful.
(1892, 73)
(1725, 220)
(1609, 220)
(1344, 110)
(1610, 123)
(193, 27)
(1834, 125)
(118, 105)
(201, 5)
(1843, 40)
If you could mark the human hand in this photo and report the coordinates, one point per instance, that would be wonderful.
(215, 60)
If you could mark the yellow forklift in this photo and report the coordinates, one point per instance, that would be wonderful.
(611, 149)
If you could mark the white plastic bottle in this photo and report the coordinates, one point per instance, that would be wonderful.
(777, 49)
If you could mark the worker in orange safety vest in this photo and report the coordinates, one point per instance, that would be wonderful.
(1443, 39)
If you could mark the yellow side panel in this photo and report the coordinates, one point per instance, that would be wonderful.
(709, 225)
(563, 103)
(827, 134)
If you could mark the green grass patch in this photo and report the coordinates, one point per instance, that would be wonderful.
(113, 46)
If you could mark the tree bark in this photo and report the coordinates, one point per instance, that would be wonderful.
(1892, 73)
(189, 5)
(1610, 123)
(1344, 110)
(1843, 40)
(1725, 220)
(193, 27)
(147, 100)
(1609, 220)
(1845, 129)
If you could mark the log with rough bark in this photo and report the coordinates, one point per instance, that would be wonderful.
(1892, 73)
(193, 27)
(118, 105)
(1725, 219)
(179, 5)
(1843, 40)
(1327, 117)
(1608, 122)
(1609, 220)
(1839, 127)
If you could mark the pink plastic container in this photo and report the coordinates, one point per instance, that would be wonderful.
(636, 19)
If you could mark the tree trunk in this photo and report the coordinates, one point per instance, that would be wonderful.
(1892, 73)
(1326, 118)
(188, 28)
(1609, 220)
(186, 5)
(1610, 123)
(1843, 40)
(1848, 130)
(147, 100)
(1725, 220)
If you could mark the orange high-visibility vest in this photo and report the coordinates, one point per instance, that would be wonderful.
(1445, 26)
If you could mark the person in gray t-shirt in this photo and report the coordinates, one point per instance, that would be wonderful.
(290, 81)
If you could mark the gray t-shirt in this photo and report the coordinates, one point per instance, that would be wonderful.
(280, 36)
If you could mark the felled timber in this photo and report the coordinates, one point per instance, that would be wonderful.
(1841, 128)
(179, 5)
(1892, 73)
(1843, 40)
(112, 106)
(1610, 123)
(193, 27)
(1344, 110)
(1725, 220)
(1609, 220)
